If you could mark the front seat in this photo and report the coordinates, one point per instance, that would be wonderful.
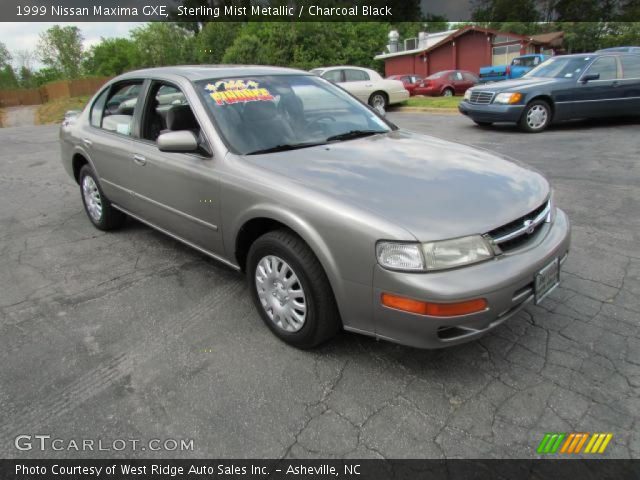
(181, 117)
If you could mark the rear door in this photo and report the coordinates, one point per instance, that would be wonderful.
(457, 80)
(630, 84)
(358, 83)
(108, 139)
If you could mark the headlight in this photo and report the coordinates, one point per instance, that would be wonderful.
(456, 252)
(467, 94)
(415, 257)
(508, 98)
(400, 256)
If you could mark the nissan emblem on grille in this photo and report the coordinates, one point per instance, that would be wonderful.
(529, 227)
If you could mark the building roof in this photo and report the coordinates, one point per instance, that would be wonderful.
(452, 34)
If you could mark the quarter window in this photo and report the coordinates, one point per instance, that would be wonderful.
(607, 67)
(98, 108)
(352, 75)
(333, 76)
(630, 66)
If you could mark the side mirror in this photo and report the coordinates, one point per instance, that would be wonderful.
(589, 77)
(380, 109)
(182, 141)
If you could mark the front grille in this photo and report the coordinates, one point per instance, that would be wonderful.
(515, 234)
(481, 98)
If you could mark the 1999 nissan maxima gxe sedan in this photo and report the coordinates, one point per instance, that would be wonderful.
(338, 218)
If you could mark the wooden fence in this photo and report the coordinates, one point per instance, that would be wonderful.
(51, 91)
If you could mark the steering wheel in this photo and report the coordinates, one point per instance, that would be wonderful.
(319, 119)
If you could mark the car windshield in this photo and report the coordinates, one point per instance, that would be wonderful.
(561, 67)
(269, 113)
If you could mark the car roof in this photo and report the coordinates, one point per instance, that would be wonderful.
(203, 72)
(342, 66)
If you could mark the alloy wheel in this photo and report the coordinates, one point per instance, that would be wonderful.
(92, 198)
(537, 117)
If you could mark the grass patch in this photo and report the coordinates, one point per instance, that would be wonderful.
(53, 112)
(433, 102)
(1, 117)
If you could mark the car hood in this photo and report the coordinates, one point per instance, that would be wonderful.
(515, 85)
(433, 188)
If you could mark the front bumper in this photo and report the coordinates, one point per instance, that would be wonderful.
(492, 112)
(506, 282)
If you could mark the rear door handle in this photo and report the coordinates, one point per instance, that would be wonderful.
(87, 142)
(139, 160)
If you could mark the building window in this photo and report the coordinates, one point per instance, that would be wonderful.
(503, 55)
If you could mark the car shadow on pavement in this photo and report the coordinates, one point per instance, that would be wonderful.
(567, 126)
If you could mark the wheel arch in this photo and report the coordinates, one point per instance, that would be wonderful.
(381, 92)
(79, 158)
(547, 98)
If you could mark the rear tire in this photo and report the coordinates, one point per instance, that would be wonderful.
(447, 92)
(536, 117)
(96, 205)
(379, 99)
(291, 290)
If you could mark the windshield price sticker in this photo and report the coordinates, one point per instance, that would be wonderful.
(237, 91)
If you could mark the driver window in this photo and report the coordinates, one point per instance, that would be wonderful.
(116, 113)
(168, 110)
(607, 67)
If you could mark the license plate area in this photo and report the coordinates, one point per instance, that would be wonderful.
(546, 280)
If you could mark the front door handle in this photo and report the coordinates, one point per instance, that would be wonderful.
(139, 160)
(87, 142)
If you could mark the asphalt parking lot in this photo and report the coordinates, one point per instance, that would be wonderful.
(130, 335)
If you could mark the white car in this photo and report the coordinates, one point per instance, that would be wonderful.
(365, 84)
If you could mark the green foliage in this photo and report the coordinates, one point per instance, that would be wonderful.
(308, 44)
(214, 39)
(8, 77)
(60, 48)
(110, 57)
(26, 78)
(158, 44)
(47, 75)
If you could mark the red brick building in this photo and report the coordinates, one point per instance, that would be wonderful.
(468, 48)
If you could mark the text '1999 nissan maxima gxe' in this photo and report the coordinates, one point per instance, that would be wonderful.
(339, 219)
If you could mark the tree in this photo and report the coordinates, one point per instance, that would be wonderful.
(26, 79)
(46, 75)
(61, 49)
(162, 43)
(5, 56)
(110, 57)
(214, 39)
(8, 77)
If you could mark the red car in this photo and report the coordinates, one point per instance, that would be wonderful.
(446, 83)
(410, 81)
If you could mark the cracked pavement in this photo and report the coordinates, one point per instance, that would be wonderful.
(132, 335)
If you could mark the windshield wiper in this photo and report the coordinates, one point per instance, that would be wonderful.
(354, 134)
(285, 147)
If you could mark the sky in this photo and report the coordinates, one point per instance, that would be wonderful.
(22, 35)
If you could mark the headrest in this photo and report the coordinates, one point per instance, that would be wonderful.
(259, 111)
(180, 117)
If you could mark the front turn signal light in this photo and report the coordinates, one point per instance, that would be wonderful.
(433, 309)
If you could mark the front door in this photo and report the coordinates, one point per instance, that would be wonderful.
(179, 192)
(598, 97)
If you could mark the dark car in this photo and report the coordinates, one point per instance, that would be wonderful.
(446, 83)
(620, 50)
(410, 81)
(567, 87)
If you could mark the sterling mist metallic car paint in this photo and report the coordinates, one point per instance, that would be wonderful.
(342, 199)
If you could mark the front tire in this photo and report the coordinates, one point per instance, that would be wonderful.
(291, 290)
(96, 204)
(536, 117)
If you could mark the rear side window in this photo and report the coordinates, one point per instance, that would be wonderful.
(607, 67)
(630, 66)
(116, 114)
(355, 75)
(470, 77)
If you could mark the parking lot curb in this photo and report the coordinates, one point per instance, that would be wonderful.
(444, 111)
